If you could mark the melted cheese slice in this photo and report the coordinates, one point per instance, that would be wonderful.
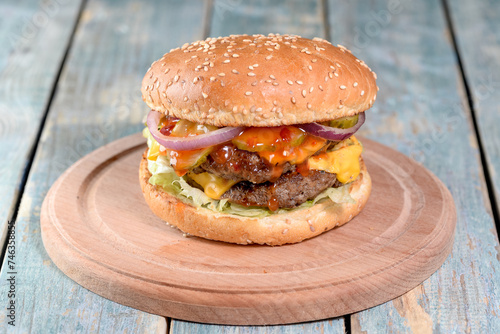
(213, 186)
(343, 160)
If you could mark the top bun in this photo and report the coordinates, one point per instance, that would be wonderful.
(259, 80)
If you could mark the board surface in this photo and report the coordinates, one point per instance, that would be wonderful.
(99, 231)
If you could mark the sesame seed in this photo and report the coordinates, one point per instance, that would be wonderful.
(235, 72)
(330, 74)
(226, 54)
(258, 110)
(185, 98)
(309, 52)
(222, 84)
(205, 95)
(254, 83)
(374, 75)
(235, 109)
(309, 106)
(255, 65)
(311, 89)
(269, 57)
(169, 84)
(310, 68)
(290, 82)
(299, 82)
(211, 110)
(338, 65)
(304, 93)
(355, 84)
(235, 55)
(205, 68)
(226, 61)
(195, 80)
(272, 77)
(342, 87)
(176, 78)
(166, 70)
(293, 100)
(269, 49)
(275, 83)
(326, 78)
(250, 67)
(248, 93)
(251, 74)
(362, 92)
(212, 79)
(275, 102)
(336, 74)
(221, 74)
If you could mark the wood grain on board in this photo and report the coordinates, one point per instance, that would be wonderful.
(421, 110)
(33, 37)
(97, 101)
(106, 238)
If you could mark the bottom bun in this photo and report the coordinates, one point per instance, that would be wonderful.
(279, 229)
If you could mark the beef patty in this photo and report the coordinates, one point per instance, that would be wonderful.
(290, 190)
(231, 163)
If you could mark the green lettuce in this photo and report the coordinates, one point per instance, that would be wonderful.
(164, 176)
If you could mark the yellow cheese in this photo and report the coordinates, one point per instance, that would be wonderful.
(343, 160)
(213, 185)
(154, 150)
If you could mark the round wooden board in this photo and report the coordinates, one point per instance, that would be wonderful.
(99, 231)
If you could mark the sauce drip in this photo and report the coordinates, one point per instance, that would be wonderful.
(273, 204)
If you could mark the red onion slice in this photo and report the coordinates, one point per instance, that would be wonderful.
(330, 133)
(189, 143)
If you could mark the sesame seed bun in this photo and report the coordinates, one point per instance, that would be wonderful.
(273, 230)
(259, 80)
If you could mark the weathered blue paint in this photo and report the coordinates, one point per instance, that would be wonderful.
(98, 100)
(33, 38)
(422, 111)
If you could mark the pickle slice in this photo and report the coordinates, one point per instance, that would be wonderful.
(182, 161)
(185, 128)
(343, 122)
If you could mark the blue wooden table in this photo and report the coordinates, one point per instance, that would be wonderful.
(70, 74)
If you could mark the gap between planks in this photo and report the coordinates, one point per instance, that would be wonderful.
(34, 148)
(470, 103)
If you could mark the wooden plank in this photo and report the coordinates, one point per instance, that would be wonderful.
(327, 326)
(98, 100)
(240, 17)
(284, 17)
(34, 37)
(422, 111)
(481, 63)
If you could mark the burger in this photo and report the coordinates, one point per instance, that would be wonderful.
(251, 138)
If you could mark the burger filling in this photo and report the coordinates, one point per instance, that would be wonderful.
(260, 171)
